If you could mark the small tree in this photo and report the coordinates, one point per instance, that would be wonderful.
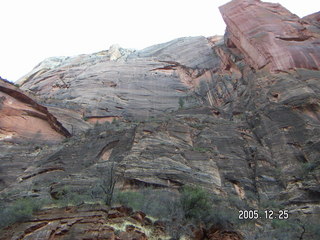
(181, 102)
(195, 203)
(19, 211)
(108, 183)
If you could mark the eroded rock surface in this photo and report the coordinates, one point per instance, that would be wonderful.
(138, 84)
(97, 222)
(313, 18)
(194, 111)
(268, 34)
(83, 222)
(23, 118)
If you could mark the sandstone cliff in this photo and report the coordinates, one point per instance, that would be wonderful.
(238, 116)
(136, 85)
(22, 117)
(268, 34)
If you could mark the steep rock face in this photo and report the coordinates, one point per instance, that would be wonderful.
(249, 136)
(268, 34)
(132, 85)
(191, 148)
(22, 117)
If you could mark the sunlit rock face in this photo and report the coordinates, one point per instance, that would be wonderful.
(23, 118)
(270, 35)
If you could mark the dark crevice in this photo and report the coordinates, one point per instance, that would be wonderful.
(108, 147)
(43, 171)
(295, 39)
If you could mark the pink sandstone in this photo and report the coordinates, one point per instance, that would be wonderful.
(271, 36)
(21, 117)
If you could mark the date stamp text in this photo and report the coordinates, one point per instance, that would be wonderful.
(265, 214)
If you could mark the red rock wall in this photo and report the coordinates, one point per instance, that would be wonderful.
(269, 35)
(22, 117)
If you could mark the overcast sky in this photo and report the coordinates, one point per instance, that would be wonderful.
(32, 30)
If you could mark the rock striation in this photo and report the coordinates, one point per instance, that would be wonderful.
(96, 222)
(238, 116)
(84, 222)
(23, 118)
(313, 18)
(139, 84)
(271, 36)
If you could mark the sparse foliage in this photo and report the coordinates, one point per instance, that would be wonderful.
(19, 211)
(109, 179)
(181, 102)
(162, 204)
(195, 203)
(66, 197)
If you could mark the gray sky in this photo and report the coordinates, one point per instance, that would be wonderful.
(32, 30)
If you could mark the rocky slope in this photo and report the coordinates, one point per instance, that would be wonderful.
(87, 221)
(97, 222)
(239, 117)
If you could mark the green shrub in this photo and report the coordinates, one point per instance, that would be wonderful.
(285, 229)
(181, 102)
(311, 226)
(73, 198)
(161, 204)
(271, 204)
(154, 202)
(195, 203)
(313, 229)
(236, 202)
(201, 149)
(19, 211)
(66, 197)
(221, 216)
(192, 206)
(308, 168)
(201, 206)
(198, 126)
(131, 199)
(158, 203)
(282, 224)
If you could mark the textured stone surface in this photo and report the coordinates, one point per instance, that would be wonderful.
(115, 53)
(97, 222)
(249, 136)
(313, 18)
(165, 154)
(141, 84)
(268, 34)
(22, 118)
(84, 222)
